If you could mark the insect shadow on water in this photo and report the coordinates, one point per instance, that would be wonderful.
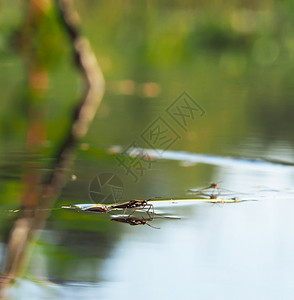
(214, 200)
(217, 201)
(133, 221)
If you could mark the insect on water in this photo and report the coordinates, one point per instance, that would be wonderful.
(212, 188)
(135, 205)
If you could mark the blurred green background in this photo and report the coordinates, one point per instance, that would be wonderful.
(235, 59)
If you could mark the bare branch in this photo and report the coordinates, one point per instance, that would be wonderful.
(24, 228)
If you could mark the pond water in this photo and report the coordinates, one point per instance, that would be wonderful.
(238, 134)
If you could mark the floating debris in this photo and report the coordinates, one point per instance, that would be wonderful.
(98, 208)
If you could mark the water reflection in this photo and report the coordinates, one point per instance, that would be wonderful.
(239, 250)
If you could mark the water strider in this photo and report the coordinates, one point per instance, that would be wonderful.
(135, 204)
(212, 187)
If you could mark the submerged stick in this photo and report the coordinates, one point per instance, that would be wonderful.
(24, 228)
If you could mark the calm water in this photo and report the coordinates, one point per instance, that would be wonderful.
(241, 79)
(215, 251)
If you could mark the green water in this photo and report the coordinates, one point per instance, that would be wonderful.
(235, 60)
